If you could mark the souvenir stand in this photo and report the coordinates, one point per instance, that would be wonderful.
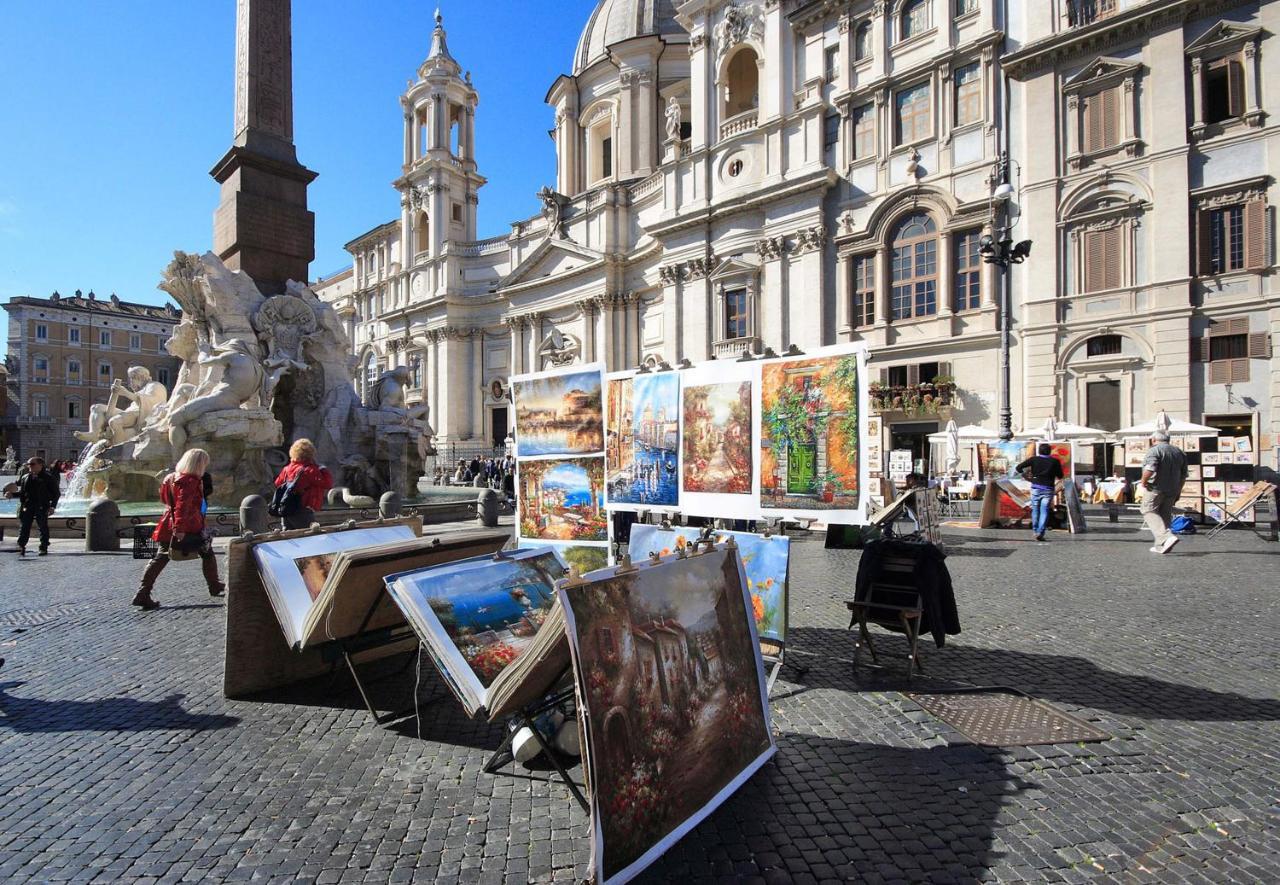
(1217, 474)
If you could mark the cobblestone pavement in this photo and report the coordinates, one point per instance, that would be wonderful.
(121, 760)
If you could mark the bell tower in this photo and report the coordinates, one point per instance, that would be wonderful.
(439, 187)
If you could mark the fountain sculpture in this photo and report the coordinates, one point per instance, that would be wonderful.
(10, 465)
(257, 373)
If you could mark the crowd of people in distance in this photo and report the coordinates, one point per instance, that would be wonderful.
(493, 473)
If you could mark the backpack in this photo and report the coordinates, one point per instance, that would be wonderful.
(286, 501)
(1182, 525)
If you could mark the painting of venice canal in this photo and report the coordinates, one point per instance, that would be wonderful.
(643, 439)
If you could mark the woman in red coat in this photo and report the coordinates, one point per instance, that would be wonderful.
(182, 526)
(311, 482)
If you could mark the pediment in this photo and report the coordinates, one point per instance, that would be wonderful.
(735, 267)
(1102, 68)
(1222, 35)
(552, 258)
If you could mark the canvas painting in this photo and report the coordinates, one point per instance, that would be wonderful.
(642, 440)
(1211, 458)
(490, 609)
(563, 500)
(1193, 471)
(1242, 457)
(1063, 453)
(315, 571)
(672, 688)
(559, 414)
(582, 557)
(1135, 451)
(1237, 490)
(810, 434)
(1226, 444)
(1215, 491)
(1215, 512)
(1244, 444)
(997, 460)
(717, 438)
(1209, 472)
(766, 561)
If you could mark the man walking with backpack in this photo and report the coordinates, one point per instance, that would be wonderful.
(1046, 473)
(1164, 471)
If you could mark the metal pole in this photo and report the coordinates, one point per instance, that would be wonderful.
(1004, 244)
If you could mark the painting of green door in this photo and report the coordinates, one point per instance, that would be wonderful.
(801, 461)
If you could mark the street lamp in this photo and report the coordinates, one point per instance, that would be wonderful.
(997, 247)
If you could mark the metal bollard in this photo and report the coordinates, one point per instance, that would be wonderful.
(389, 505)
(100, 526)
(253, 515)
(487, 508)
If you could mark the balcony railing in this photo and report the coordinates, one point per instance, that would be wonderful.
(1085, 12)
(743, 122)
(733, 347)
(913, 399)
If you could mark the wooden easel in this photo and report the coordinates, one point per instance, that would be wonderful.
(1251, 499)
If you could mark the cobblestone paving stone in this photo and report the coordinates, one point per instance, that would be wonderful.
(121, 760)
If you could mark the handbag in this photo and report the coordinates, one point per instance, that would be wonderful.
(190, 547)
(286, 501)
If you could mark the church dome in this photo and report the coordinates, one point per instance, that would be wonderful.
(616, 20)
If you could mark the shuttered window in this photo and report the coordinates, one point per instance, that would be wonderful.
(1222, 90)
(863, 311)
(1102, 120)
(1103, 259)
(1232, 238)
(1228, 348)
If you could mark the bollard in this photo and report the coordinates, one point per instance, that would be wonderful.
(389, 505)
(100, 526)
(253, 515)
(487, 508)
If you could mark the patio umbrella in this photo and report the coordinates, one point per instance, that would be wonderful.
(953, 447)
(1051, 429)
(968, 433)
(1163, 421)
(1063, 431)
(1173, 426)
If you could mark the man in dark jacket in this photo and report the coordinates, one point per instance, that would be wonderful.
(37, 495)
(1046, 472)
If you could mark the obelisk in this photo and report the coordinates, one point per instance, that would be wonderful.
(262, 225)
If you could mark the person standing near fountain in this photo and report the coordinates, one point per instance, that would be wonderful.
(181, 528)
(38, 493)
(310, 483)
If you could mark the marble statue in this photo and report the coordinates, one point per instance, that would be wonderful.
(235, 375)
(674, 119)
(286, 324)
(389, 395)
(107, 421)
(10, 465)
(553, 206)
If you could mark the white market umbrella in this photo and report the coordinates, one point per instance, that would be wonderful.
(953, 447)
(1063, 431)
(969, 433)
(1172, 426)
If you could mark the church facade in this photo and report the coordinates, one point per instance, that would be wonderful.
(748, 175)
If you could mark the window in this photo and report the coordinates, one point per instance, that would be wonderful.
(40, 369)
(1223, 90)
(914, 264)
(914, 19)
(104, 373)
(606, 157)
(73, 370)
(735, 314)
(135, 341)
(831, 131)
(831, 63)
(915, 113)
(1232, 238)
(1228, 348)
(1102, 120)
(964, 7)
(42, 332)
(73, 335)
(1103, 259)
(40, 407)
(897, 376)
(370, 373)
(862, 41)
(423, 231)
(1086, 12)
(162, 375)
(415, 373)
(968, 294)
(743, 75)
(73, 408)
(864, 132)
(457, 210)
(863, 312)
(1103, 345)
(968, 94)
(104, 338)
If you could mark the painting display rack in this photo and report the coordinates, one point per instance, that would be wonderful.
(1241, 506)
(503, 756)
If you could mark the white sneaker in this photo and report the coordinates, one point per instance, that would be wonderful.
(1156, 549)
(1169, 543)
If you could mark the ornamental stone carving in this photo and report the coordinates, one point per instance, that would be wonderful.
(737, 24)
(771, 248)
(810, 239)
(674, 118)
(553, 206)
(559, 349)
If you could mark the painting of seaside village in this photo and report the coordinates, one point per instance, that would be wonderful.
(563, 500)
(673, 694)
(643, 438)
(809, 455)
(559, 414)
(717, 438)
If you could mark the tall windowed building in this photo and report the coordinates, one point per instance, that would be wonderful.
(64, 352)
(750, 174)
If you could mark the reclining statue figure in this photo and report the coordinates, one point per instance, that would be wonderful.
(109, 422)
(234, 378)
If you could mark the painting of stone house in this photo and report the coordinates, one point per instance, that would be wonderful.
(672, 685)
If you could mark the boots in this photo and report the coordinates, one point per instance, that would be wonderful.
(209, 565)
(143, 597)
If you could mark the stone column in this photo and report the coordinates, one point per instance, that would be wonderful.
(844, 268)
(646, 150)
(408, 137)
(946, 281)
(883, 287)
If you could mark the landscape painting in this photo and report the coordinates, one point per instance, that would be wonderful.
(672, 687)
(765, 560)
(490, 609)
(642, 440)
(810, 445)
(560, 414)
(997, 460)
(563, 500)
(717, 438)
(582, 557)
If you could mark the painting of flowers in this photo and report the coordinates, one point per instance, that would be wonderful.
(810, 442)
(765, 560)
(563, 500)
(717, 438)
(672, 687)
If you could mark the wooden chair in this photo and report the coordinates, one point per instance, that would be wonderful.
(893, 603)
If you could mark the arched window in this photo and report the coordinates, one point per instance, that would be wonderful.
(914, 19)
(423, 228)
(862, 42)
(743, 78)
(914, 264)
(1104, 345)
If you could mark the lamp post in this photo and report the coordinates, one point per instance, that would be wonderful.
(997, 247)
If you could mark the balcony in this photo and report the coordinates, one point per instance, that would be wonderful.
(743, 122)
(1081, 13)
(914, 399)
(732, 348)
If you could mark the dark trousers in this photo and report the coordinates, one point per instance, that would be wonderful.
(299, 519)
(41, 519)
(208, 566)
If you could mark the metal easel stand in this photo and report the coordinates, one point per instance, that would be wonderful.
(503, 756)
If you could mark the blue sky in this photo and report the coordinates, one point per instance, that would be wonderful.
(114, 113)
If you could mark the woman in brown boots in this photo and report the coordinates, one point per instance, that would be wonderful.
(181, 533)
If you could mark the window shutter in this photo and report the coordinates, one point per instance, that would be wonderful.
(1110, 118)
(1236, 326)
(944, 369)
(1092, 123)
(1255, 235)
(1260, 345)
(1092, 261)
(1235, 88)
(1204, 243)
(884, 377)
(1239, 371)
(1220, 372)
(913, 374)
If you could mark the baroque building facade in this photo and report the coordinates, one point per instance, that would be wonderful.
(755, 174)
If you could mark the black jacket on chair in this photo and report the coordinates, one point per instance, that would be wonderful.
(930, 575)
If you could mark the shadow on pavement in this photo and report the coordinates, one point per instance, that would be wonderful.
(37, 716)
